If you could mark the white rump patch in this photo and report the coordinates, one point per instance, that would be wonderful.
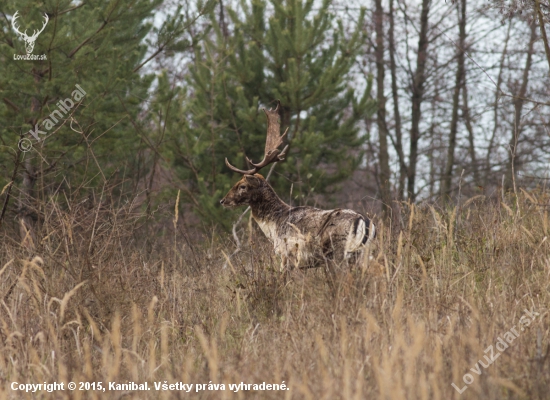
(372, 233)
(354, 241)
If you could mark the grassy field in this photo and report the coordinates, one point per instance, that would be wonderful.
(90, 300)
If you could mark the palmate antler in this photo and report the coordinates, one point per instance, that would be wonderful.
(29, 40)
(273, 141)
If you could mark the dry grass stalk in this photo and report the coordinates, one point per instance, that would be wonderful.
(413, 320)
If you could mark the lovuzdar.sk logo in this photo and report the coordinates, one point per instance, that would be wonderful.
(29, 40)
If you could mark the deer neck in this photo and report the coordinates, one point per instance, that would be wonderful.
(268, 207)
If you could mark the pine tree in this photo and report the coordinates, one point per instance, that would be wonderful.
(102, 47)
(284, 51)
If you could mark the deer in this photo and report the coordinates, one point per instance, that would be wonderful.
(29, 40)
(304, 237)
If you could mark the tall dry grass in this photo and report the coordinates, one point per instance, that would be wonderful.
(100, 297)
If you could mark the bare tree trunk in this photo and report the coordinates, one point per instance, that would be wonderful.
(383, 157)
(417, 97)
(16, 163)
(514, 160)
(434, 137)
(448, 175)
(543, 31)
(25, 200)
(432, 160)
(398, 145)
(468, 122)
(25, 212)
(223, 24)
(495, 105)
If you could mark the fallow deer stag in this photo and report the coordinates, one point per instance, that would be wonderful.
(303, 237)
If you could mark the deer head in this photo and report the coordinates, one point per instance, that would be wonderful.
(29, 40)
(248, 190)
(273, 141)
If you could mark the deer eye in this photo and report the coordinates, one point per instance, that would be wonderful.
(242, 187)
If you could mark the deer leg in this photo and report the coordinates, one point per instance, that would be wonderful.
(330, 274)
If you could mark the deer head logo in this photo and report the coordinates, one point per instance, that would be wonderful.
(29, 40)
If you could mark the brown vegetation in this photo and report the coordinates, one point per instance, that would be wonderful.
(95, 302)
